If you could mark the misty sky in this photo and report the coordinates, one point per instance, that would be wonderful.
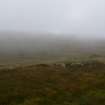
(57, 16)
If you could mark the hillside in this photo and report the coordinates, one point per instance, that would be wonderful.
(17, 47)
(54, 84)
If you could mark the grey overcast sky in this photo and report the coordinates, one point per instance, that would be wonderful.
(57, 16)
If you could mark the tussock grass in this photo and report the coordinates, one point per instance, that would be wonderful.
(49, 85)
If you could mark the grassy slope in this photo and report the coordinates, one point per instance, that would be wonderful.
(52, 85)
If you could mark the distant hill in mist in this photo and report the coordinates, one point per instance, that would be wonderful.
(31, 44)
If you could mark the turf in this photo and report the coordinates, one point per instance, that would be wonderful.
(53, 85)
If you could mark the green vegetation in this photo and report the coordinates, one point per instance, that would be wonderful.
(51, 85)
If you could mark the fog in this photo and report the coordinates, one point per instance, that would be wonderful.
(50, 46)
(51, 27)
(81, 17)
